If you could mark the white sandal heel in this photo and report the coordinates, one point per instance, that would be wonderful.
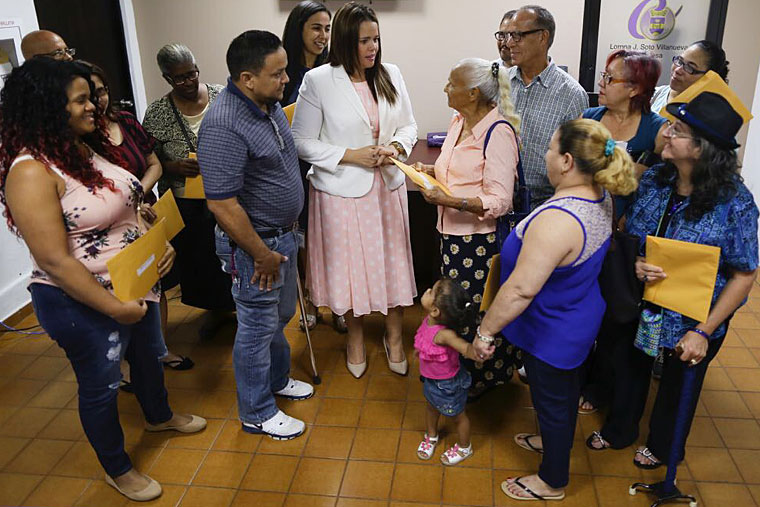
(456, 455)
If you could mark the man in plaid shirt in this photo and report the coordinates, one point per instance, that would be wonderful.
(544, 96)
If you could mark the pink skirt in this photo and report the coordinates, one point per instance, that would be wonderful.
(360, 256)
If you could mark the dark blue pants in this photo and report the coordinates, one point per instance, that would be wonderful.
(555, 394)
(95, 344)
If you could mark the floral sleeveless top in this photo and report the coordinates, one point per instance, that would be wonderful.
(99, 222)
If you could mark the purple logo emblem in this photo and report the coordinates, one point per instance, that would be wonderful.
(652, 19)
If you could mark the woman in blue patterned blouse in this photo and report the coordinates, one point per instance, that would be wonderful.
(696, 196)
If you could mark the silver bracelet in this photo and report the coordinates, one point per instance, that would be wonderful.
(486, 339)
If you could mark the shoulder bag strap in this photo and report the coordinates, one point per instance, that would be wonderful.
(181, 123)
(520, 173)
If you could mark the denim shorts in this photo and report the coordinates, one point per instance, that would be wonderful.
(448, 396)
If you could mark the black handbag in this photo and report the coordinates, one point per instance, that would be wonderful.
(621, 290)
(521, 199)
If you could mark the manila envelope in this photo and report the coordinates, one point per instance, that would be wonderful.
(134, 270)
(166, 208)
(710, 82)
(691, 270)
(289, 112)
(194, 185)
(492, 283)
(419, 178)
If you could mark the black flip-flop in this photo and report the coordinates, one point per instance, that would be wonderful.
(533, 495)
(523, 441)
(648, 455)
(597, 435)
(180, 364)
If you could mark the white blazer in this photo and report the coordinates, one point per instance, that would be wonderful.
(330, 118)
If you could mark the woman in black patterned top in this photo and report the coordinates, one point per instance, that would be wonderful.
(174, 120)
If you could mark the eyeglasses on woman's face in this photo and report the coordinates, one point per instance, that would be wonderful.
(184, 78)
(687, 67)
(607, 79)
(677, 131)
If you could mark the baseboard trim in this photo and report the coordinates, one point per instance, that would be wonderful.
(15, 319)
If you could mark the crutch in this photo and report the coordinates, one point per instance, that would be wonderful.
(302, 303)
(666, 491)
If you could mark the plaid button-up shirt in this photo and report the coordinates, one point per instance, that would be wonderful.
(551, 99)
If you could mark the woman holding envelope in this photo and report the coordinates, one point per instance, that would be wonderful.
(481, 178)
(697, 196)
(136, 148)
(351, 115)
(75, 209)
(174, 121)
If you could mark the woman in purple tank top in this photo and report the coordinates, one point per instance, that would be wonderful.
(549, 303)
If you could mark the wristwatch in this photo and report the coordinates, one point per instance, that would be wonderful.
(486, 339)
(399, 148)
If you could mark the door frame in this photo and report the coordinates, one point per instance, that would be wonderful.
(133, 56)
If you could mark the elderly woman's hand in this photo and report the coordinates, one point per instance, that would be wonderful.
(425, 168)
(483, 351)
(648, 272)
(434, 195)
(694, 347)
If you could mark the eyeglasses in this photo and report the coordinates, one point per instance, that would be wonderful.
(607, 79)
(184, 78)
(60, 53)
(516, 36)
(686, 66)
(670, 131)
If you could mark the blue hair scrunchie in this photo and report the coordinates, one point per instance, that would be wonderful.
(609, 147)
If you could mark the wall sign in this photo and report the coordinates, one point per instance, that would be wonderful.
(664, 28)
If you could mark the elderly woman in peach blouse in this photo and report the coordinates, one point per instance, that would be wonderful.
(481, 178)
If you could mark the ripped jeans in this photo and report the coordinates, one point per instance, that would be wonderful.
(95, 343)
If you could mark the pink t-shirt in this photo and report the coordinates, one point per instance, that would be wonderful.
(100, 223)
(463, 169)
(436, 361)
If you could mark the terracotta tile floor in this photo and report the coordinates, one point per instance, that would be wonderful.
(359, 448)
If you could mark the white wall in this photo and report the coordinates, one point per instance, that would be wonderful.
(424, 37)
(15, 265)
(751, 170)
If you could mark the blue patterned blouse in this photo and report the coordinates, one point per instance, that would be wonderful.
(731, 225)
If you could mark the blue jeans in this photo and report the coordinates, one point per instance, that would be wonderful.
(95, 344)
(261, 354)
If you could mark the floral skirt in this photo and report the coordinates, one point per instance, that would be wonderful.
(467, 259)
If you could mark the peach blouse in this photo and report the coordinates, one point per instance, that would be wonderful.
(467, 173)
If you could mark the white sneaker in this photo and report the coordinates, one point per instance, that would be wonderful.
(296, 390)
(279, 427)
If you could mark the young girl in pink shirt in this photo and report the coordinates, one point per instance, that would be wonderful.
(438, 345)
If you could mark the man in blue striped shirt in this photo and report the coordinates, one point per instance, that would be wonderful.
(545, 96)
(253, 187)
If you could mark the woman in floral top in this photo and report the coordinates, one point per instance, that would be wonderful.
(75, 210)
(174, 121)
(699, 197)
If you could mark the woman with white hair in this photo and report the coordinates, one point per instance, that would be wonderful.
(174, 120)
(478, 163)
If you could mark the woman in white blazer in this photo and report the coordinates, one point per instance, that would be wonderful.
(351, 116)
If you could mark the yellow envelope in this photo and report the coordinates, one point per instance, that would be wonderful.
(421, 179)
(134, 270)
(710, 82)
(691, 270)
(289, 112)
(166, 208)
(194, 185)
(492, 283)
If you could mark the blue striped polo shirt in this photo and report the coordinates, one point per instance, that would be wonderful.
(246, 153)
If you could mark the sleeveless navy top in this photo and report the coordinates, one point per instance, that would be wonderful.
(561, 323)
